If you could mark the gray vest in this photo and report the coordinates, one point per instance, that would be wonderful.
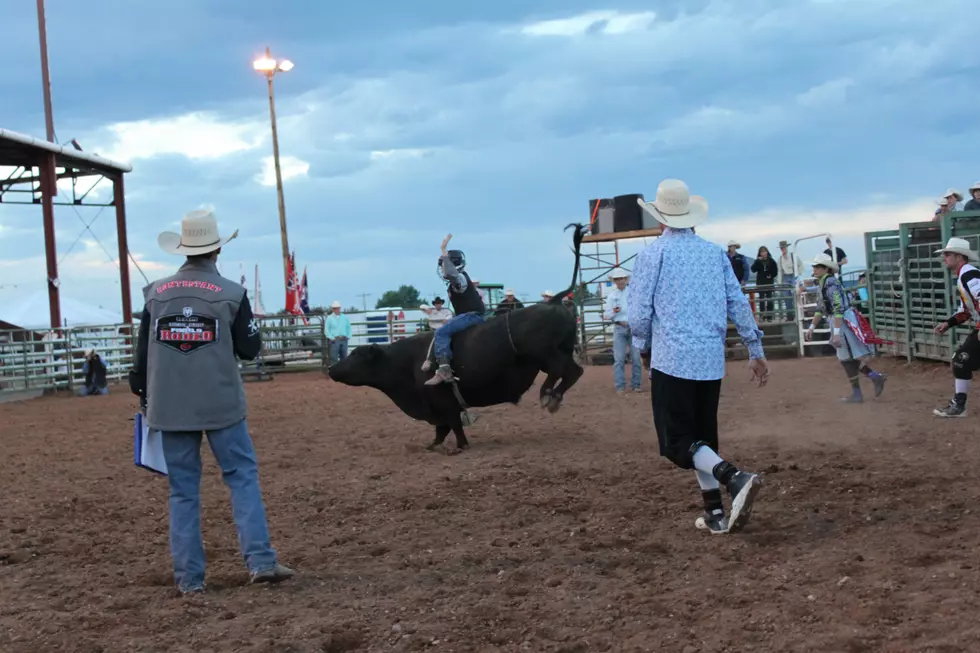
(193, 381)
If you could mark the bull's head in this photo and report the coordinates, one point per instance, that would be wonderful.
(364, 366)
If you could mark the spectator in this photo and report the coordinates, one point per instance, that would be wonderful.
(737, 260)
(338, 333)
(547, 295)
(766, 271)
(424, 320)
(616, 311)
(438, 314)
(942, 210)
(790, 268)
(955, 199)
(509, 303)
(94, 369)
(841, 256)
(974, 203)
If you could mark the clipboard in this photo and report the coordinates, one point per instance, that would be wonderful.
(148, 446)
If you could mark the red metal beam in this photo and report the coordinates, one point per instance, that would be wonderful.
(48, 189)
(119, 196)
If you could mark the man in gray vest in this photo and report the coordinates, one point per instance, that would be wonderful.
(193, 325)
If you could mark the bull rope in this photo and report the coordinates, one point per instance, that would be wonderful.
(509, 336)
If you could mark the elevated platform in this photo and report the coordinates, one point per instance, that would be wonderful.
(622, 235)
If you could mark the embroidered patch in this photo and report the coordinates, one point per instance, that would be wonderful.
(188, 283)
(186, 331)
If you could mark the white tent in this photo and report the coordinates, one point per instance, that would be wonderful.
(32, 312)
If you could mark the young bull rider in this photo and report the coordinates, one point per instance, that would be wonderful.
(683, 293)
(467, 304)
(957, 256)
(849, 335)
(194, 326)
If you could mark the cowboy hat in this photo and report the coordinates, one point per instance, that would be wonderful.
(975, 186)
(198, 235)
(335, 305)
(958, 246)
(438, 300)
(783, 243)
(547, 293)
(826, 261)
(952, 192)
(619, 273)
(509, 292)
(734, 243)
(675, 206)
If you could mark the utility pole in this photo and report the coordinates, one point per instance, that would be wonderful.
(364, 296)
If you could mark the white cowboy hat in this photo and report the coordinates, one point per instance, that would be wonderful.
(734, 243)
(547, 293)
(955, 193)
(959, 246)
(198, 235)
(975, 186)
(509, 292)
(826, 261)
(943, 201)
(675, 206)
(619, 273)
(335, 305)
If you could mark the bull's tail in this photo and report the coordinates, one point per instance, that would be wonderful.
(580, 230)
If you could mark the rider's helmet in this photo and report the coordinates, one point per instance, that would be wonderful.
(456, 257)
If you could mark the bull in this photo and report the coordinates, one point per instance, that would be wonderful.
(495, 362)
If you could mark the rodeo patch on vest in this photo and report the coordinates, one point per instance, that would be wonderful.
(187, 331)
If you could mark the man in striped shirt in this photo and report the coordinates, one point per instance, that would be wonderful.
(958, 257)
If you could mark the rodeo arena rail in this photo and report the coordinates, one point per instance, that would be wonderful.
(904, 292)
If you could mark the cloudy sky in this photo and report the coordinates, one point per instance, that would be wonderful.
(494, 121)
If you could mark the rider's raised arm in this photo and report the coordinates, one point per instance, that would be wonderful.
(455, 278)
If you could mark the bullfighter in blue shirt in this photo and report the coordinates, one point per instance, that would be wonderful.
(682, 295)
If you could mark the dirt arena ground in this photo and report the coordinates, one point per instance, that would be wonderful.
(553, 533)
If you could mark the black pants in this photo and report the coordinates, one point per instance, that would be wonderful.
(765, 304)
(966, 360)
(684, 412)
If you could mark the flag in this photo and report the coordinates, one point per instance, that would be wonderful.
(258, 309)
(304, 295)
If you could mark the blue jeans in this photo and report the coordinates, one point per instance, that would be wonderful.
(444, 334)
(789, 304)
(621, 341)
(92, 390)
(338, 350)
(232, 448)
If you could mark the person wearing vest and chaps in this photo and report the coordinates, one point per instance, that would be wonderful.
(958, 257)
(194, 324)
(852, 352)
(94, 369)
(467, 304)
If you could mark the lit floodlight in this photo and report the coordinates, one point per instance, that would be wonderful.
(265, 64)
(286, 65)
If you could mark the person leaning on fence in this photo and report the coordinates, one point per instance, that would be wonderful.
(95, 370)
(973, 204)
(790, 269)
(849, 334)
(338, 332)
(766, 271)
(193, 325)
(616, 310)
(961, 259)
(682, 295)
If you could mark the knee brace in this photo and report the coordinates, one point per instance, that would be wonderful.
(963, 366)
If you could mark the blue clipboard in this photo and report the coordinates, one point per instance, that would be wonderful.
(148, 447)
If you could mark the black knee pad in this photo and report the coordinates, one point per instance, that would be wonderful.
(963, 366)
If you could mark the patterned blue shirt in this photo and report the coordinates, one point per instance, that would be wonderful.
(681, 296)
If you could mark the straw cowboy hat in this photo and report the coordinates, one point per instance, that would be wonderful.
(784, 243)
(975, 186)
(826, 261)
(619, 273)
(959, 246)
(198, 235)
(675, 206)
(952, 192)
(735, 244)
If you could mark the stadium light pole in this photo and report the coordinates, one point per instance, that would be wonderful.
(269, 67)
